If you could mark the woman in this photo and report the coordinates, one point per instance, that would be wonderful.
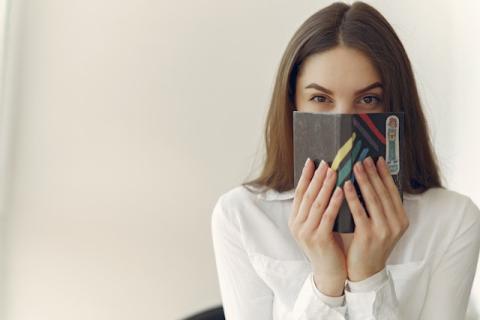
(276, 254)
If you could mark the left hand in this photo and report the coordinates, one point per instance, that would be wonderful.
(375, 236)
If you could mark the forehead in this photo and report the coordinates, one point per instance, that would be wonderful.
(340, 67)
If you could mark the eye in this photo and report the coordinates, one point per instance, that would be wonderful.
(370, 98)
(321, 100)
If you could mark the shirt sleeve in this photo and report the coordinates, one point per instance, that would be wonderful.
(450, 283)
(452, 278)
(331, 301)
(312, 304)
(372, 298)
(244, 294)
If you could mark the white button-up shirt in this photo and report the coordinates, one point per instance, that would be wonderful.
(264, 274)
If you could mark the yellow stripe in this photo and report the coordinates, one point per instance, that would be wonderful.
(342, 152)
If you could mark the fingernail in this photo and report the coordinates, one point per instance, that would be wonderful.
(306, 162)
(382, 161)
(359, 167)
(337, 191)
(369, 162)
(322, 163)
(348, 185)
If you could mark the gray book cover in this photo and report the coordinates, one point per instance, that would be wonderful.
(342, 140)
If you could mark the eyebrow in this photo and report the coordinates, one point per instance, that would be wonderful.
(319, 87)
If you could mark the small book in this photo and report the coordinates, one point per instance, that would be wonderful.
(342, 140)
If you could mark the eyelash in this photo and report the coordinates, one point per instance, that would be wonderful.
(379, 100)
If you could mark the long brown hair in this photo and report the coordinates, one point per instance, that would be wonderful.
(362, 27)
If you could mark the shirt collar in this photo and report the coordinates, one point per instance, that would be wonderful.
(272, 194)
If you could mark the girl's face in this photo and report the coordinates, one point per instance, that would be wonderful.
(340, 80)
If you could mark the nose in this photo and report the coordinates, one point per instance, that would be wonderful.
(344, 107)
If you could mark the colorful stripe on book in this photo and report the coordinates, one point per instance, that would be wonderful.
(342, 152)
(372, 127)
(347, 166)
(362, 156)
(365, 134)
(346, 156)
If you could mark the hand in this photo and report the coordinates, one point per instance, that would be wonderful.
(311, 224)
(375, 236)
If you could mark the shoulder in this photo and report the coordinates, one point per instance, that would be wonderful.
(458, 204)
(447, 203)
(437, 217)
(233, 201)
(445, 194)
(237, 197)
(440, 215)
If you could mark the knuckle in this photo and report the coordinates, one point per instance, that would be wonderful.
(327, 216)
(308, 196)
(382, 234)
(303, 236)
(368, 237)
(381, 194)
(318, 238)
(317, 204)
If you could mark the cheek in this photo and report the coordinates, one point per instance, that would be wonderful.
(381, 108)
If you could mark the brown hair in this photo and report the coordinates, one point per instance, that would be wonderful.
(362, 27)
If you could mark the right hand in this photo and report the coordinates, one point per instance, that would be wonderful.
(311, 224)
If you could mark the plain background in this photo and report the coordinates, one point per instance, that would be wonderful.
(122, 122)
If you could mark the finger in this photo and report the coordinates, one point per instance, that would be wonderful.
(311, 192)
(302, 185)
(356, 208)
(372, 202)
(321, 201)
(331, 213)
(389, 183)
(381, 190)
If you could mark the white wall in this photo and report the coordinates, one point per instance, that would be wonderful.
(127, 119)
(465, 108)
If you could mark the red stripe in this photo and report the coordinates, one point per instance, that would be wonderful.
(372, 127)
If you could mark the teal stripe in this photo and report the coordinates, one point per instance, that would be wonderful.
(363, 155)
(356, 149)
(344, 171)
